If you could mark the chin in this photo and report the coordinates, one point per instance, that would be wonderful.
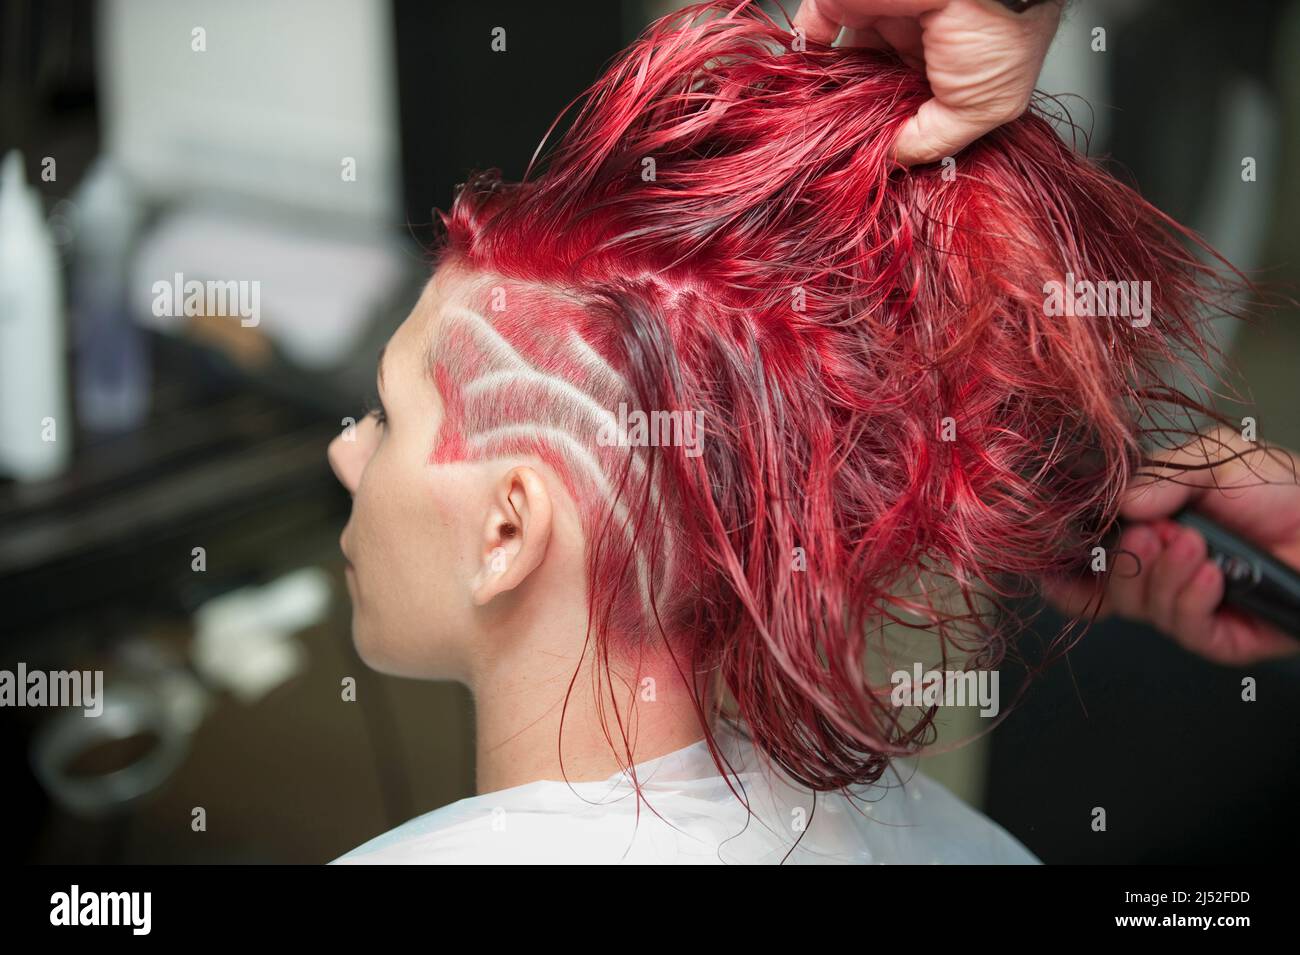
(371, 650)
(383, 656)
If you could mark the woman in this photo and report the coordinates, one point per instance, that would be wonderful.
(686, 430)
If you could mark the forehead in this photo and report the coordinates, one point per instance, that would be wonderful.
(411, 344)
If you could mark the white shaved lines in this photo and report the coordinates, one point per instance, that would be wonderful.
(510, 368)
(593, 360)
(495, 346)
(499, 379)
(595, 365)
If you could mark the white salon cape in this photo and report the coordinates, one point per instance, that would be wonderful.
(904, 818)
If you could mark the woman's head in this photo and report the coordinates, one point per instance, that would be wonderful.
(887, 389)
(446, 523)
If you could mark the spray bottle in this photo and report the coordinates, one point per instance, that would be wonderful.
(35, 428)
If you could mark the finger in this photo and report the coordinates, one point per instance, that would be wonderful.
(1179, 477)
(904, 35)
(1192, 623)
(938, 130)
(1262, 642)
(867, 37)
(1177, 564)
(815, 24)
(873, 39)
(1130, 571)
(1246, 486)
(1223, 636)
(1238, 641)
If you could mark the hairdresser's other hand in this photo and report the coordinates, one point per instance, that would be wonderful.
(1178, 587)
(982, 60)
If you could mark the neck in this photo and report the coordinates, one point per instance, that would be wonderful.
(520, 702)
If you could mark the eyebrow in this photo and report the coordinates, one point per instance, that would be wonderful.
(381, 365)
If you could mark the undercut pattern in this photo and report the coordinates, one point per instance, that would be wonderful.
(518, 398)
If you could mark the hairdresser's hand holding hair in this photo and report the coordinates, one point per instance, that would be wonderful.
(1252, 491)
(980, 58)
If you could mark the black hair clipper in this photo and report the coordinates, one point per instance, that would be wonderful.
(1255, 582)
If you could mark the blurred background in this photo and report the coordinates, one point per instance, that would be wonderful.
(181, 532)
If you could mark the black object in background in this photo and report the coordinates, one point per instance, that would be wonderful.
(1162, 740)
(463, 106)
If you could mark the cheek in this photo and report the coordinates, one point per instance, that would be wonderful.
(395, 515)
(447, 511)
(407, 517)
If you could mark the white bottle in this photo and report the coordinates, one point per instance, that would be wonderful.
(111, 363)
(35, 427)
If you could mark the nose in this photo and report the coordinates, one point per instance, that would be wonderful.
(347, 456)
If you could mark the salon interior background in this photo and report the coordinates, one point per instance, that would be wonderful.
(223, 686)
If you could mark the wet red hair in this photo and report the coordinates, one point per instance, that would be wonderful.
(887, 400)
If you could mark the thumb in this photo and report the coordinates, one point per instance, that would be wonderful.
(937, 130)
(1152, 498)
(1184, 474)
(1251, 489)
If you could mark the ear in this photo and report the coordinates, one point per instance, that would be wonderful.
(515, 534)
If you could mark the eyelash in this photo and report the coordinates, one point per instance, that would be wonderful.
(376, 408)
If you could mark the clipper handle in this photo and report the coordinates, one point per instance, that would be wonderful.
(1255, 582)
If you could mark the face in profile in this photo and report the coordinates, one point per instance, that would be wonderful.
(408, 556)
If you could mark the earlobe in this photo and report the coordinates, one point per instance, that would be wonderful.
(515, 534)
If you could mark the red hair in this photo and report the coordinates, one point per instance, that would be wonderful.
(886, 398)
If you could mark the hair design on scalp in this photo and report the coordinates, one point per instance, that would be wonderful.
(522, 374)
(886, 400)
